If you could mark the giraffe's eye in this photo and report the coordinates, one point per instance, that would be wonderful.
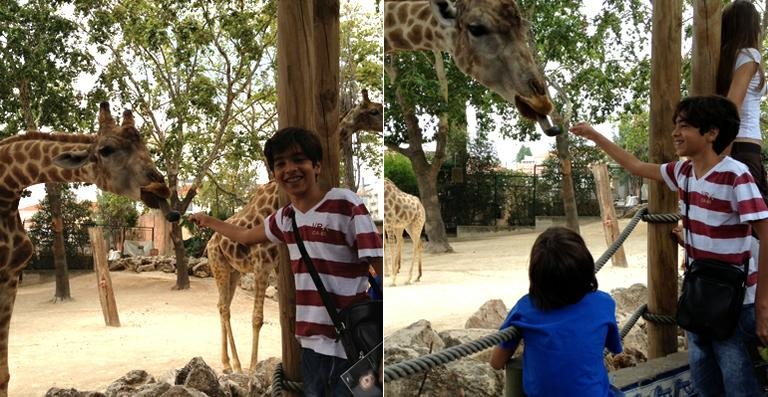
(477, 30)
(105, 151)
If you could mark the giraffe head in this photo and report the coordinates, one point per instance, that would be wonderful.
(491, 44)
(120, 160)
(370, 115)
(487, 38)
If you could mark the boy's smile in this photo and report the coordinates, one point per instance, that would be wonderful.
(688, 140)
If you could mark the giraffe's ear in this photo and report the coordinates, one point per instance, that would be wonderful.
(444, 11)
(72, 160)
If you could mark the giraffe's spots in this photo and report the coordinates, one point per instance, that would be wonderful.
(34, 150)
(439, 36)
(31, 171)
(242, 250)
(67, 174)
(424, 14)
(20, 156)
(433, 23)
(5, 157)
(414, 36)
(402, 12)
(10, 182)
(389, 20)
(397, 40)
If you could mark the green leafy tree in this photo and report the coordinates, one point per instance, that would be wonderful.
(397, 168)
(76, 216)
(200, 73)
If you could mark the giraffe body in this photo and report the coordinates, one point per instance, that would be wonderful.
(402, 211)
(115, 160)
(228, 259)
(488, 40)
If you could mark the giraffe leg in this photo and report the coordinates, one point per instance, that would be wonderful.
(257, 320)
(391, 243)
(415, 233)
(224, 282)
(8, 287)
(399, 257)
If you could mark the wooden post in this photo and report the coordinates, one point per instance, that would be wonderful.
(607, 212)
(327, 53)
(665, 94)
(103, 281)
(706, 46)
(295, 108)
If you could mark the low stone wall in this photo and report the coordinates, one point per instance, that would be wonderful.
(664, 376)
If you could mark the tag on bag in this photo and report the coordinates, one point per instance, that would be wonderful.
(366, 377)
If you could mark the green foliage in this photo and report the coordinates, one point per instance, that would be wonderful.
(115, 211)
(482, 155)
(75, 217)
(397, 168)
(41, 50)
(633, 137)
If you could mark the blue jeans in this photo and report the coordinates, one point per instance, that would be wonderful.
(321, 375)
(720, 368)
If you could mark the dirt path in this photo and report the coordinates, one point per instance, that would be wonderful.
(68, 345)
(454, 286)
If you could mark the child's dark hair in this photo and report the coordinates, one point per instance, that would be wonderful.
(707, 112)
(740, 29)
(290, 137)
(562, 269)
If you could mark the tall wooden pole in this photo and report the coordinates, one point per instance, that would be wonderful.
(327, 53)
(706, 46)
(607, 212)
(665, 94)
(295, 107)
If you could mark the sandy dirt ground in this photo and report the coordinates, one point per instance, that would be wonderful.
(68, 344)
(455, 285)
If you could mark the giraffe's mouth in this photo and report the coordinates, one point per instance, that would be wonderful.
(533, 108)
(154, 193)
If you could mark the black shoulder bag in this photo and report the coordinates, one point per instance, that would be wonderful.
(712, 294)
(359, 327)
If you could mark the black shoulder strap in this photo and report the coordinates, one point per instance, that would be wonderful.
(337, 323)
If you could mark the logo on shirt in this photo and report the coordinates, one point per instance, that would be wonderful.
(318, 229)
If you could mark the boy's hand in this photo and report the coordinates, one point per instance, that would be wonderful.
(200, 219)
(584, 130)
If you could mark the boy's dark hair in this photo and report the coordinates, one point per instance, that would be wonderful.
(290, 137)
(710, 111)
(562, 269)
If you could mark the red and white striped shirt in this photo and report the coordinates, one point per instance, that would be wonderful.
(339, 236)
(722, 202)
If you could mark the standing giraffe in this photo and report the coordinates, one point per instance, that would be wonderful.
(228, 260)
(115, 160)
(488, 40)
(366, 115)
(402, 211)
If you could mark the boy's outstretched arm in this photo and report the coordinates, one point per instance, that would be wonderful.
(242, 235)
(500, 356)
(761, 295)
(624, 158)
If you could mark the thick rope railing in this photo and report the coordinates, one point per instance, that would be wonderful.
(424, 363)
(279, 383)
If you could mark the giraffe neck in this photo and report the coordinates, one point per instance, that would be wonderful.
(26, 160)
(411, 26)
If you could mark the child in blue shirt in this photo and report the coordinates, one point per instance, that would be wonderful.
(565, 322)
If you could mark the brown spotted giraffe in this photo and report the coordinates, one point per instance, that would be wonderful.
(228, 260)
(366, 115)
(115, 160)
(402, 211)
(488, 40)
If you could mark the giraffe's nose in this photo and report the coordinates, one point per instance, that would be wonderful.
(537, 86)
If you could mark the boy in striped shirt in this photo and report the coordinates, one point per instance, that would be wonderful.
(340, 238)
(725, 206)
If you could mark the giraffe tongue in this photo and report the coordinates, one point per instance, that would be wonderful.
(170, 216)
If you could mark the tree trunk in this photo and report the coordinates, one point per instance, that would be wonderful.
(182, 270)
(568, 193)
(434, 226)
(59, 253)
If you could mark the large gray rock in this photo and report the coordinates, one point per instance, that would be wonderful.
(198, 375)
(152, 390)
(183, 391)
(490, 315)
(59, 392)
(261, 377)
(129, 383)
(418, 334)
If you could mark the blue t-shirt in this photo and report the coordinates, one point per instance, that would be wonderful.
(563, 353)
